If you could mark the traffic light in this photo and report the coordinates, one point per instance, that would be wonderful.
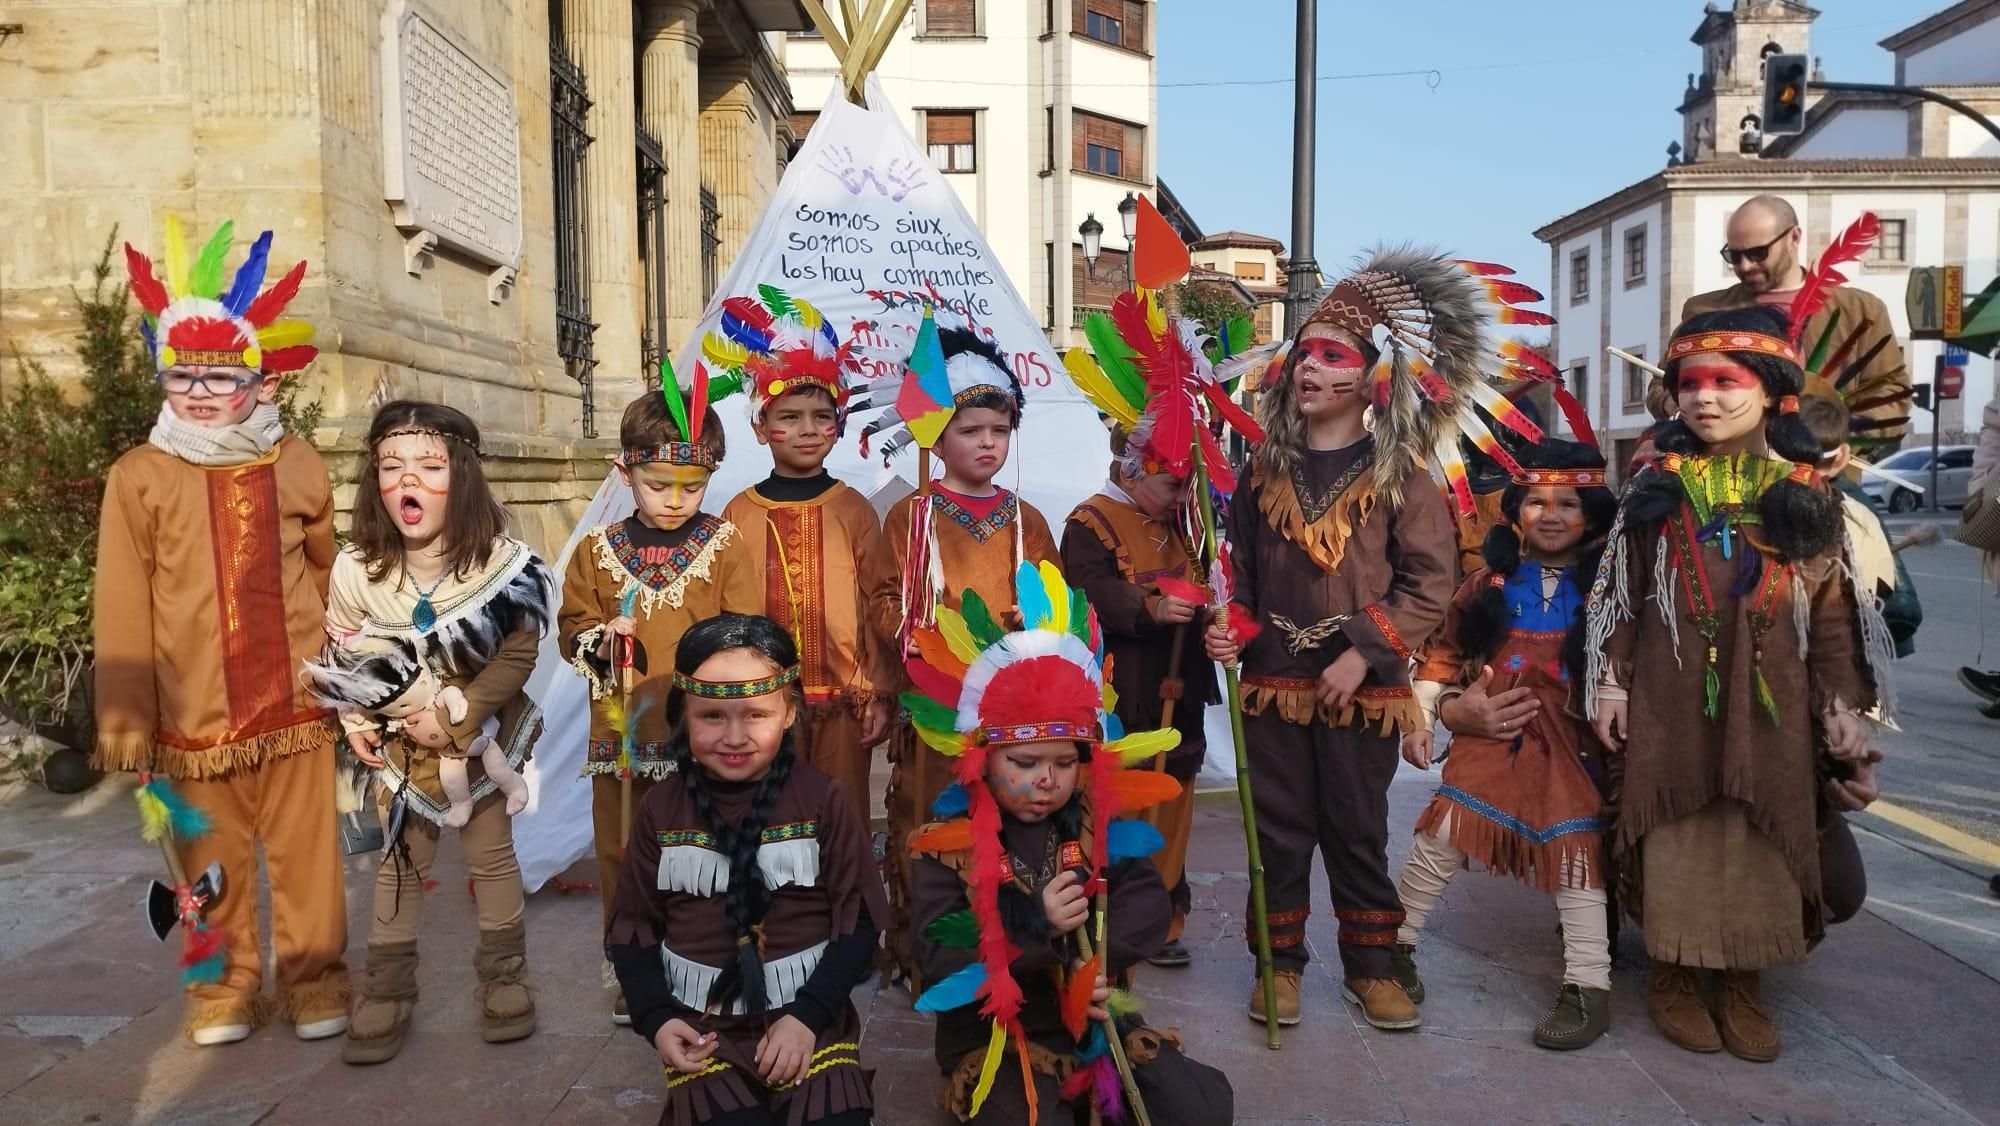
(1784, 95)
(1921, 398)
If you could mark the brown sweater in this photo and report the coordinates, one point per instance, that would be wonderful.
(974, 555)
(211, 590)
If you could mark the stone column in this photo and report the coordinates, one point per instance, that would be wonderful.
(728, 148)
(670, 106)
(600, 33)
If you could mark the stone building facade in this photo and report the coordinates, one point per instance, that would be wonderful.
(513, 208)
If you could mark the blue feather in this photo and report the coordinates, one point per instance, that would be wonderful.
(826, 330)
(249, 277)
(1093, 1043)
(1035, 608)
(954, 992)
(1114, 728)
(1127, 839)
(146, 334)
(735, 328)
(952, 801)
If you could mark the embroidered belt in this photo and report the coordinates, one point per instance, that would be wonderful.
(1282, 683)
(605, 752)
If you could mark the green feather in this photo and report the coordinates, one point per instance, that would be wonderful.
(979, 620)
(1122, 1004)
(957, 931)
(670, 390)
(1764, 697)
(926, 712)
(1711, 688)
(1825, 344)
(1236, 336)
(776, 300)
(206, 280)
(1079, 616)
(722, 386)
(1115, 358)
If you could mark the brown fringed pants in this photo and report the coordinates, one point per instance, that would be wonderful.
(287, 804)
(1326, 788)
(1175, 821)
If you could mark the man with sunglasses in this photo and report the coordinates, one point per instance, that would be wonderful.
(1862, 363)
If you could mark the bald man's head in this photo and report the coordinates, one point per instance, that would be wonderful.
(1763, 244)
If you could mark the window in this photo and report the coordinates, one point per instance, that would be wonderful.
(1106, 146)
(1955, 459)
(1635, 255)
(569, 142)
(1248, 271)
(1049, 127)
(948, 136)
(951, 17)
(1119, 23)
(1636, 379)
(711, 242)
(1579, 383)
(1579, 277)
(1907, 460)
(1049, 268)
(1893, 245)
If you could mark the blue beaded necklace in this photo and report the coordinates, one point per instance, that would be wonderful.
(424, 616)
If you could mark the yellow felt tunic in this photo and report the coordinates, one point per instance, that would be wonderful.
(211, 591)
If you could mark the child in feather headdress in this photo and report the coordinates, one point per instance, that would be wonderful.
(632, 589)
(1522, 790)
(1018, 960)
(220, 527)
(746, 903)
(1726, 648)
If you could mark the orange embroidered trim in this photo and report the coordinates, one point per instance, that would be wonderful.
(1282, 941)
(794, 584)
(1369, 918)
(1281, 683)
(1289, 918)
(1712, 342)
(1388, 628)
(1364, 938)
(257, 660)
(1564, 478)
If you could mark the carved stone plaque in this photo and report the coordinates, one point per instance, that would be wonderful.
(452, 146)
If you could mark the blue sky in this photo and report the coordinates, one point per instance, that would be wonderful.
(1540, 107)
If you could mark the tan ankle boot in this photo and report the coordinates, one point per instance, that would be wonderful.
(506, 1001)
(1746, 1026)
(1676, 1008)
(1288, 983)
(384, 998)
(1383, 1002)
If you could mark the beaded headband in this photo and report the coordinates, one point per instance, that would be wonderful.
(697, 454)
(1041, 733)
(975, 391)
(429, 432)
(251, 357)
(735, 689)
(1561, 478)
(1709, 343)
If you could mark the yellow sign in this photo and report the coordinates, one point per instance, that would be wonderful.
(1953, 313)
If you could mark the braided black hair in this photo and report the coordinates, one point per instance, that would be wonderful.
(1800, 521)
(1484, 625)
(747, 898)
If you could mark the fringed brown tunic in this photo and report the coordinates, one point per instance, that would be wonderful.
(671, 899)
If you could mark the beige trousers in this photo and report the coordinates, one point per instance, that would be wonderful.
(1586, 928)
(488, 844)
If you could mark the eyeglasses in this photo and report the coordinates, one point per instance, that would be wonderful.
(1732, 255)
(216, 383)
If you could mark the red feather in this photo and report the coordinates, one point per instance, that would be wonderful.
(1852, 243)
(1232, 412)
(749, 312)
(281, 360)
(1243, 625)
(1220, 474)
(1182, 589)
(1575, 415)
(1076, 998)
(1002, 993)
(1522, 356)
(1512, 316)
(146, 287)
(932, 683)
(1483, 269)
(697, 402)
(1036, 689)
(270, 304)
(1129, 314)
(1510, 293)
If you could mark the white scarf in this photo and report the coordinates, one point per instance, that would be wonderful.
(216, 447)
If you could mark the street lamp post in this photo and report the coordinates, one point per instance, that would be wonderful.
(1302, 276)
(1092, 233)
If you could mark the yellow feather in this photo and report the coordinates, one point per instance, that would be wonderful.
(723, 352)
(1110, 695)
(614, 714)
(1142, 745)
(1097, 388)
(1156, 317)
(996, 1050)
(152, 816)
(1058, 592)
(808, 316)
(284, 334)
(177, 258)
(947, 743)
(957, 635)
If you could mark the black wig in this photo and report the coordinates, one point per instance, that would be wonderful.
(1484, 624)
(1799, 521)
(1009, 400)
(747, 898)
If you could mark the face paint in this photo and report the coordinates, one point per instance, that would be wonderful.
(1030, 781)
(1721, 401)
(413, 474)
(201, 400)
(1551, 521)
(1328, 374)
(1327, 353)
(668, 496)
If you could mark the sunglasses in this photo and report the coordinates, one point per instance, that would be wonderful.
(1732, 255)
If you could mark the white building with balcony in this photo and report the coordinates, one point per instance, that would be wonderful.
(1623, 265)
(1039, 113)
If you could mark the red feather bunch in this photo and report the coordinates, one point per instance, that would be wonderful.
(1039, 690)
(1850, 246)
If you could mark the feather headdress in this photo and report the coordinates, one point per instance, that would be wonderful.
(1838, 356)
(771, 344)
(951, 361)
(364, 680)
(189, 318)
(1152, 376)
(1427, 317)
(977, 688)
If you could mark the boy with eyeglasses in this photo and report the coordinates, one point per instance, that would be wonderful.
(1861, 359)
(220, 527)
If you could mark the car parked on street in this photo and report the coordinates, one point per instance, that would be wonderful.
(1954, 479)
